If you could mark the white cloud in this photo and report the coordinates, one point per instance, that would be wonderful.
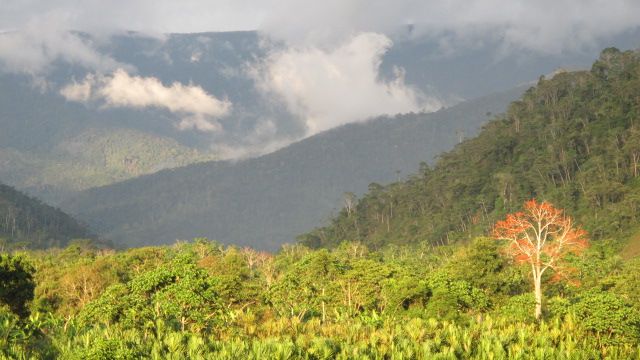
(197, 108)
(263, 139)
(79, 92)
(332, 87)
(42, 40)
(328, 71)
(544, 25)
(40, 28)
(198, 122)
(123, 90)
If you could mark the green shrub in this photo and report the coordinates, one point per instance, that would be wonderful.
(608, 317)
(519, 308)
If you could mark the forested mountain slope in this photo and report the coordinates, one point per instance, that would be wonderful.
(266, 201)
(94, 157)
(573, 140)
(26, 222)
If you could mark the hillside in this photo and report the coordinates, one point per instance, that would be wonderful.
(26, 222)
(573, 140)
(51, 147)
(266, 201)
(94, 157)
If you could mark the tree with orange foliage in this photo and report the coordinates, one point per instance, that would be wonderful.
(541, 236)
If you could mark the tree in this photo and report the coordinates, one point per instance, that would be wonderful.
(481, 265)
(309, 286)
(178, 292)
(83, 282)
(541, 236)
(16, 284)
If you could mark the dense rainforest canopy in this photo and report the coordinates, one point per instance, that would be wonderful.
(573, 139)
(27, 222)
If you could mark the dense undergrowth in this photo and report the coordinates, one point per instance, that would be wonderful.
(204, 300)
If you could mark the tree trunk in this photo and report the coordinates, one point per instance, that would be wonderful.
(324, 318)
(538, 295)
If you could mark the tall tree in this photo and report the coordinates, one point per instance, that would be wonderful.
(541, 236)
(16, 283)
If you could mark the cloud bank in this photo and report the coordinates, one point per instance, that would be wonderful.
(42, 40)
(543, 26)
(197, 108)
(328, 88)
(327, 70)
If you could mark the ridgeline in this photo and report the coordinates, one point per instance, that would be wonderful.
(573, 140)
(27, 222)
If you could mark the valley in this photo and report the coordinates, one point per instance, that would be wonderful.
(329, 180)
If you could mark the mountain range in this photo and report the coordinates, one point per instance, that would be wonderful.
(27, 222)
(69, 141)
(266, 201)
(572, 140)
(52, 145)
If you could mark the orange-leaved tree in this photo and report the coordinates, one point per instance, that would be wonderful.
(541, 236)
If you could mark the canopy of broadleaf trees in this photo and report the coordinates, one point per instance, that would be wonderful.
(392, 278)
(572, 140)
(25, 222)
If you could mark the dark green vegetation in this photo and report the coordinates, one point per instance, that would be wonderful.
(93, 161)
(205, 300)
(27, 222)
(266, 201)
(573, 140)
(94, 158)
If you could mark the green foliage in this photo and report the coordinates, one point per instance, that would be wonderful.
(450, 298)
(415, 339)
(203, 300)
(519, 308)
(26, 222)
(608, 316)
(179, 292)
(110, 349)
(625, 280)
(483, 265)
(16, 283)
(573, 140)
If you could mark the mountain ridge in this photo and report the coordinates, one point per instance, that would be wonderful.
(27, 222)
(572, 140)
(289, 189)
(36, 119)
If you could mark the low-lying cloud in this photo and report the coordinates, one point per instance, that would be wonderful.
(545, 25)
(198, 109)
(328, 88)
(43, 40)
(326, 71)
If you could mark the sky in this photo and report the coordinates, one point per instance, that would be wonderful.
(542, 25)
(328, 71)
